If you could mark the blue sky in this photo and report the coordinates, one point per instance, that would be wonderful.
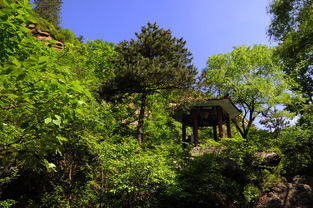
(208, 26)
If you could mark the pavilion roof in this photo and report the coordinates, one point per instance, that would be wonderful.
(225, 103)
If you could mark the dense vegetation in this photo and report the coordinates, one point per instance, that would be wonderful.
(49, 10)
(72, 125)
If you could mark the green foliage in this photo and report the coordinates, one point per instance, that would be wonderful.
(292, 25)
(7, 203)
(49, 10)
(251, 192)
(286, 15)
(257, 176)
(100, 54)
(65, 35)
(12, 16)
(250, 76)
(160, 128)
(154, 62)
(276, 120)
(135, 176)
(60, 34)
(60, 139)
(62, 146)
(296, 146)
(90, 62)
(203, 184)
(7, 175)
(47, 116)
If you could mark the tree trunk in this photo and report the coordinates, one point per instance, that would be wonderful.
(141, 118)
(238, 128)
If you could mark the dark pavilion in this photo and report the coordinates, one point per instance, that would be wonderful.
(211, 112)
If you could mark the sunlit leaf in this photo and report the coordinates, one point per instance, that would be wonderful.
(48, 120)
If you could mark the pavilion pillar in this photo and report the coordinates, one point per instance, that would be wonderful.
(228, 127)
(220, 123)
(194, 115)
(215, 132)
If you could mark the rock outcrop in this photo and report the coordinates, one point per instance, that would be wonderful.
(271, 159)
(296, 194)
(46, 37)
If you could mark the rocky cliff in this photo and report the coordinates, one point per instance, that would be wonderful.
(46, 37)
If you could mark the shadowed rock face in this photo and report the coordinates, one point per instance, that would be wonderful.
(296, 194)
(269, 158)
(46, 37)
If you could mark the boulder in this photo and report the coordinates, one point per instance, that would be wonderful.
(297, 193)
(271, 159)
(233, 171)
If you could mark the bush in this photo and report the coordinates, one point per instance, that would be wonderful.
(136, 177)
(201, 183)
(297, 147)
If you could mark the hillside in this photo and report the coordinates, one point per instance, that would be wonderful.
(90, 124)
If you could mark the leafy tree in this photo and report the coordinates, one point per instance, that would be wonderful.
(12, 14)
(154, 62)
(49, 120)
(251, 78)
(49, 10)
(90, 62)
(99, 54)
(292, 26)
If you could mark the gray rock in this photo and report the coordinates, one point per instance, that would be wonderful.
(269, 158)
(297, 194)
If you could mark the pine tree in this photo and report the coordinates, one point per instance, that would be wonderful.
(153, 62)
(49, 10)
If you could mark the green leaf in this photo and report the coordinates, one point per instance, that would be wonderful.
(48, 120)
(62, 139)
(43, 59)
(16, 63)
(49, 166)
(57, 117)
(57, 122)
